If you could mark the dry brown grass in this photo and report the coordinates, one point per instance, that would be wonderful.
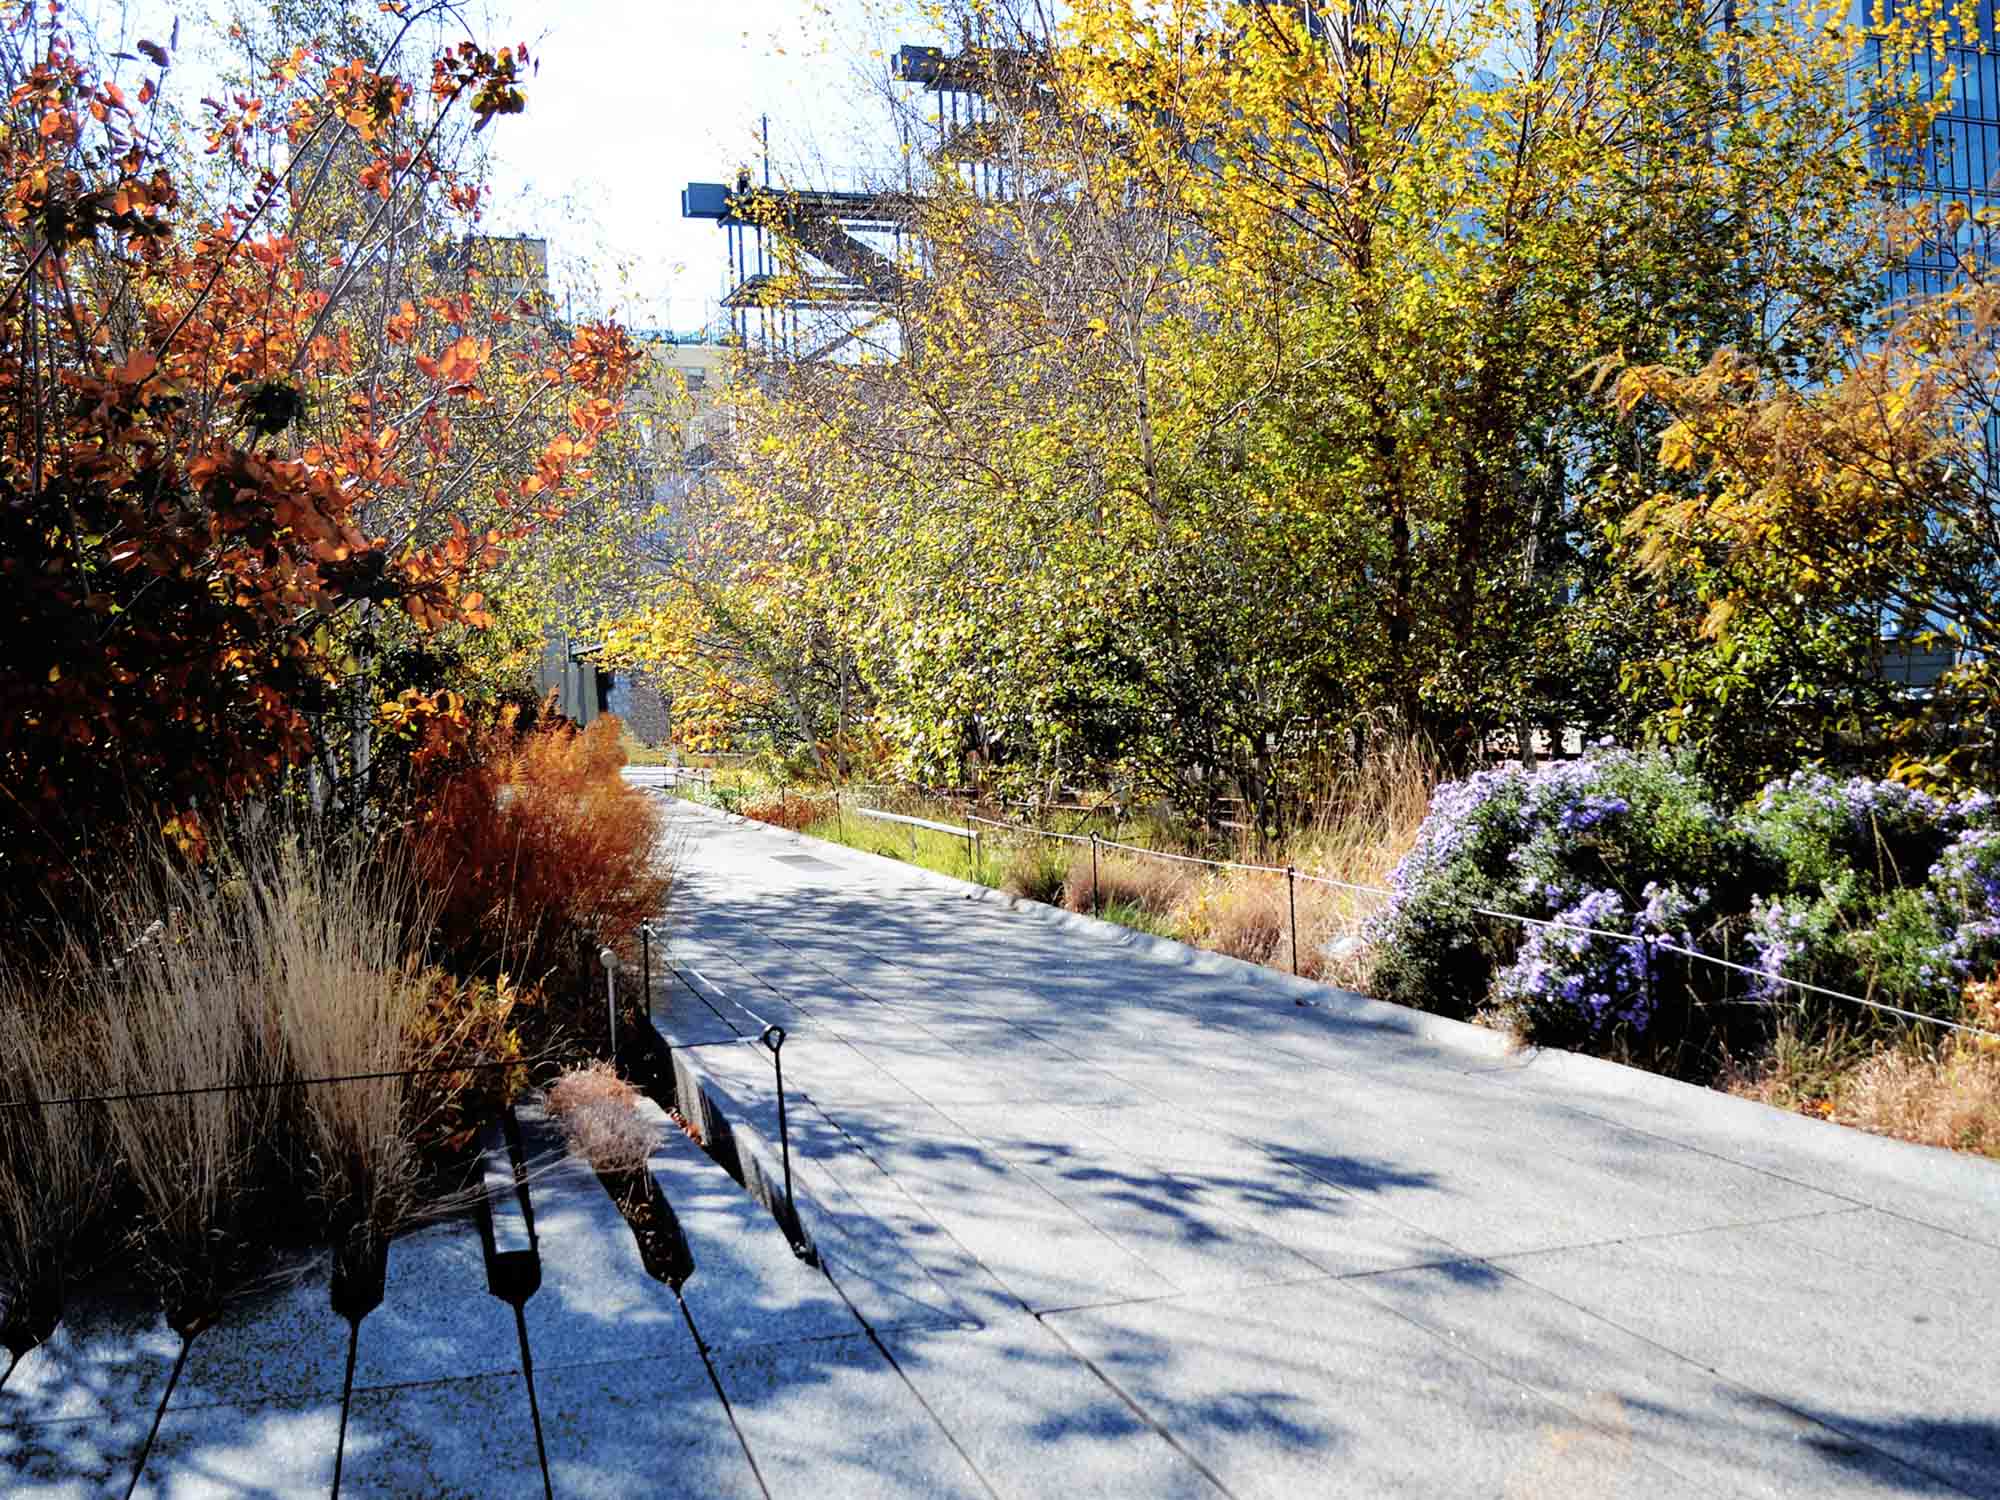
(280, 960)
(540, 854)
(1151, 885)
(342, 999)
(1936, 1092)
(54, 1161)
(1242, 913)
(1950, 1099)
(790, 810)
(597, 1111)
(202, 1001)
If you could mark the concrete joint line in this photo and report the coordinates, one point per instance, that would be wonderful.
(1137, 1410)
(1679, 1358)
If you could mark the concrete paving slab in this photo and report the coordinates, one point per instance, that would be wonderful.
(462, 1439)
(70, 1460)
(278, 1340)
(437, 1320)
(652, 1427)
(1513, 1174)
(1035, 1421)
(596, 1298)
(1294, 1391)
(832, 1418)
(1168, 1220)
(275, 1450)
(1866, 1324)
(1951, 1190)
(1041, 1249)
(1720, 1435)
(109, 1357)
(1333, 1229)
(747, 1287)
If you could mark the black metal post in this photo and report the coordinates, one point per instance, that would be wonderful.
(1093, 872)
(773, 1037)
(646, 963)
(1292, 900)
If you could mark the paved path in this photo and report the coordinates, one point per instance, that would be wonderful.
(1129, 1223)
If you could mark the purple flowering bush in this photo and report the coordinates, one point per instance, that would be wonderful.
(1819, 828)
(1880, 892)
(1628, 844)
(1585, 980)
(1964, 894)
(1866, 888)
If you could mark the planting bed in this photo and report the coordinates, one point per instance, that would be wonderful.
(557, 1340)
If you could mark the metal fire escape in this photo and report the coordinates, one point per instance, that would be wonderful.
(855, 242)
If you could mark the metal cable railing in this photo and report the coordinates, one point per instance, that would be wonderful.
(1293, 874)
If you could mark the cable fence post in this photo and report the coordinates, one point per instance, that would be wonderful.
(1292, 902)
(1093, 872)
(773, 1037)
(610, 961)
(646, 963)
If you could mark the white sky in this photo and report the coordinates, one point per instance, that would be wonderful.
(633, 100)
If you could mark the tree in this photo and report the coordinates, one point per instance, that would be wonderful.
(243, 432)
(1239, 408)
(1865, 507)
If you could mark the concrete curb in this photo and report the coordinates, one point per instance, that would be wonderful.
(726, 1134)
(1754, 1122)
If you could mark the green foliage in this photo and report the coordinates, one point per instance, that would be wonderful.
(1863, 887)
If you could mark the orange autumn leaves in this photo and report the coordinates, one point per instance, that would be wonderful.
(213, 460)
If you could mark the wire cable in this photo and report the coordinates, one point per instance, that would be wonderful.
(1552, 924)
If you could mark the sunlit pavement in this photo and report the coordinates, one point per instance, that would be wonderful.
(1129, 1221)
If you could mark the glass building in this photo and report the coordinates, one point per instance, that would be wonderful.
(1961, 160)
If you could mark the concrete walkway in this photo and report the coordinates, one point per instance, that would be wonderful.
(1134, 1222)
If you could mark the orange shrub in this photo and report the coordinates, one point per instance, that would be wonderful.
(538, 853)
(790, 810)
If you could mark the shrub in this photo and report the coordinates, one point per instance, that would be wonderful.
(1036, 871)
(790, 810)
(1619, 841)
(1965, 895)
(1817, 828)
(539, 854)
(1585, 981)
(1882, 889)
(478, 1021)
(1129, 880)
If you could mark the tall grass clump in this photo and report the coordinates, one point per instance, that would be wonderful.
(205, 1000)
(54, 1162)
(343, 998)
(1131, 881)
(538, 854)
(280, 959)
(1035, 870)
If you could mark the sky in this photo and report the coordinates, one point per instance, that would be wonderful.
(633, 100)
